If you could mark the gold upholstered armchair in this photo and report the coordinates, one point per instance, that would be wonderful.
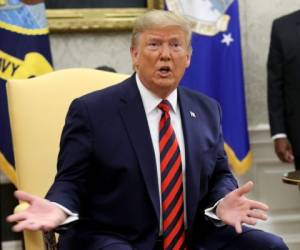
(37, 109)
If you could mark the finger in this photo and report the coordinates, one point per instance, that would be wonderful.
(249, 221)
(20, 226)
(246, 188)
(26, 225)
(258, 205)
(289, 156)
(34, 226)
(281, 157)
(238, 227)
(23, 196)
(286, 155)
(257, 215)
(16, 217)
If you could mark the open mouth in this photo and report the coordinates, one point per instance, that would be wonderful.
(165, 70)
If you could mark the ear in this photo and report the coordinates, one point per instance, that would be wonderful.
(188, 58)
(134, 55)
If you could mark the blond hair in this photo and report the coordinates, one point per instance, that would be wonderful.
(160, 19)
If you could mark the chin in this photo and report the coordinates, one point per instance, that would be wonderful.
(167, 87)
(166, 82)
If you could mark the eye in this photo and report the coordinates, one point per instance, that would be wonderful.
(153, 44)
(176, 45)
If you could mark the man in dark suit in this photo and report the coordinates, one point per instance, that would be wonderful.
(142, 164)
(283, 87)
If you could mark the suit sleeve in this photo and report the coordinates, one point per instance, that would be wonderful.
(275, 82)
(73, 160)
(222, 180)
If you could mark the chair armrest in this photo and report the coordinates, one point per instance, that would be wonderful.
(21, 207)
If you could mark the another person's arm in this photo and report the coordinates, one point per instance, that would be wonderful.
(276, 104)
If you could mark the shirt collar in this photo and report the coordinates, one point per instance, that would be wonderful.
(150, 100)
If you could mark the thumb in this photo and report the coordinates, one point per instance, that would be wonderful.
(238, 228)
(23, 196)
(246, 188)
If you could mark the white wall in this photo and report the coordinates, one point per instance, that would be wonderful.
(92, 50)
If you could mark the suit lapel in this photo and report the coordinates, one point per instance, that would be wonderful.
(191, 127)
(134, 117)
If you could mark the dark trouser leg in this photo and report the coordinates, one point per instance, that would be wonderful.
(76, 238)
(256, 240)
(117, 246)
(225, 238)
(297, 162)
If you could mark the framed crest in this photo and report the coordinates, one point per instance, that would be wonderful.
(92, 15)
(207, 17)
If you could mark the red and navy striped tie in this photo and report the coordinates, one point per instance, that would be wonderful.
(171, 183)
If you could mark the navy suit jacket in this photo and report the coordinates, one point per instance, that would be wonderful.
(107, 171)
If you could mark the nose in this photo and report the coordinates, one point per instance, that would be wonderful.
(165, 52)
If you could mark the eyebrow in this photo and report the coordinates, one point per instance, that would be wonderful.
(159, 37)
(153, 37)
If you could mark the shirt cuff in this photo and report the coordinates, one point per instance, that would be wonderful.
(277, 136)
(71, 216)
(211, 213)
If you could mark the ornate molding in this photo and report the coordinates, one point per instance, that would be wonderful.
(110, 19)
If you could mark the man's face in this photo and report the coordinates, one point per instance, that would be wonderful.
(160, 57)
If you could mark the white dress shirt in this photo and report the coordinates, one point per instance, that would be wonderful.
(279, 135)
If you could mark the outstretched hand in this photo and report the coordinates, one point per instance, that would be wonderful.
(40, 215)
(235, 209)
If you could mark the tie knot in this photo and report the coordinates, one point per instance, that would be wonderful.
(165, 106)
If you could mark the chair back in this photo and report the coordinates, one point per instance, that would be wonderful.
(37, 110)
